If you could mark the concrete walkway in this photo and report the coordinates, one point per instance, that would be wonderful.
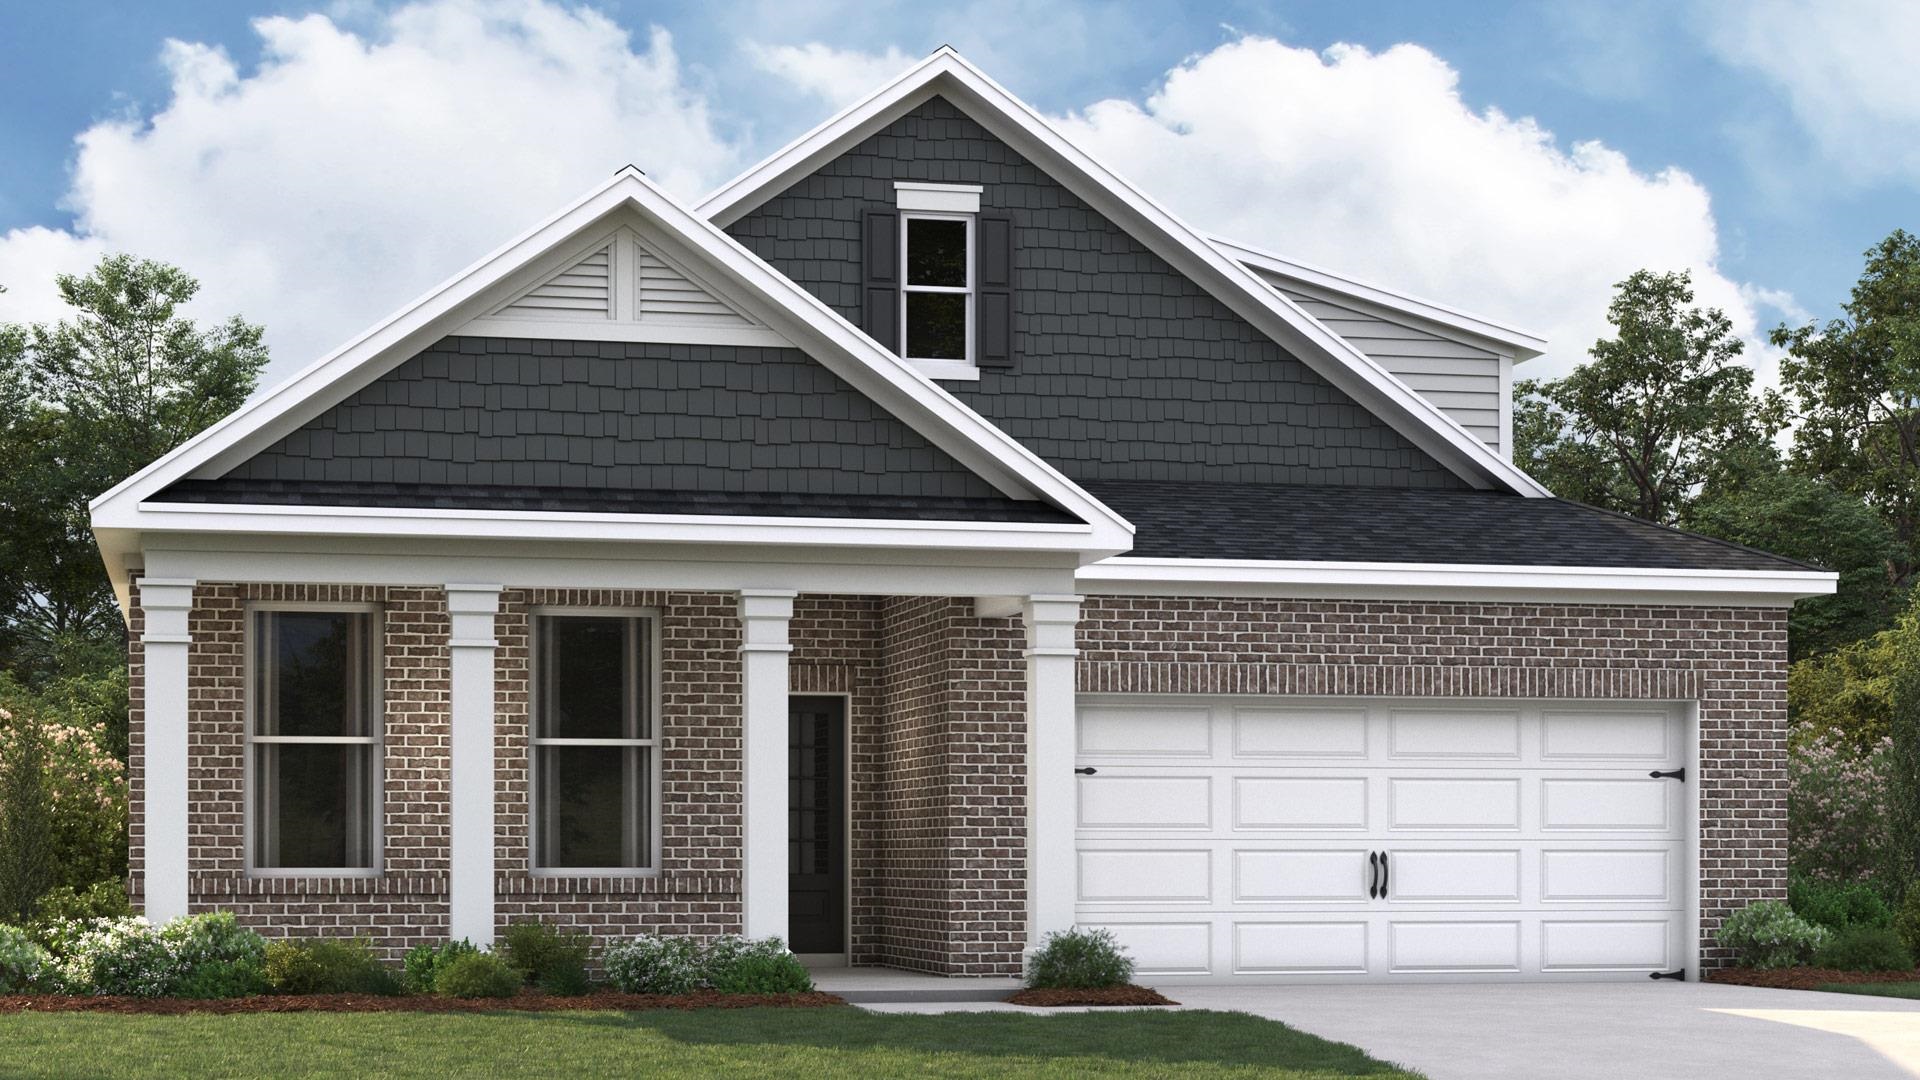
(1673, 1031)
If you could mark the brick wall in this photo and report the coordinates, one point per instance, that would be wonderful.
(1731, 660)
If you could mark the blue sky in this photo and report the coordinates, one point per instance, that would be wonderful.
(1763, 145)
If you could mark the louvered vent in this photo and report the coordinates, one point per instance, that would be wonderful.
(583, 291)
(666, 296)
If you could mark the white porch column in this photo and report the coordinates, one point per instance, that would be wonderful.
(764, 617)
(1051, 791)
(164, 641)
(470, 772)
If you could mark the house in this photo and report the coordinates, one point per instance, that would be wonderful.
(925, 543)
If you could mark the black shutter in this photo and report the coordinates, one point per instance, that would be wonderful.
(880, 274)
(993, 311)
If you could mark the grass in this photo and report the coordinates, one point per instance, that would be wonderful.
(812, 1043)
(1885, 989)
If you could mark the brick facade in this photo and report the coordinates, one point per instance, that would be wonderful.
(937, 743)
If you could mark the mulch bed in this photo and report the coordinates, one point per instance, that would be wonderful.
(1111, 995)
(1806, 978)
(603, 1001)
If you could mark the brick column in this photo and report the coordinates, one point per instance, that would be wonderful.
(765, 615)
(1051, 795)
(166, 603)
(470, 836)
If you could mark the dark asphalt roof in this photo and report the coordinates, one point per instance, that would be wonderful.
(1362, 524)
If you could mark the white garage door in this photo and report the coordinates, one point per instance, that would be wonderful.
(1291, 839)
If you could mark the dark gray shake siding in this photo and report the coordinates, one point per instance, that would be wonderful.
(1123, 369)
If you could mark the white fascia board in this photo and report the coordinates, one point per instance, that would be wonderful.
(783, 305)
(1524, 344)
(1450, 581)
(1013, 121)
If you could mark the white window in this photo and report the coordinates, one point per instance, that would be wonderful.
(936, 288)
(594, 747)
(313, 740)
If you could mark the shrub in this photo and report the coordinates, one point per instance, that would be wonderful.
(1906, 921)
(24, 965)
(101, 900)
(1840, 809)
(1837, 905)
(553, 961)
(27, 858)
(655, 964)
(1769, 935)
(214, 957)
(1865, 948)
(477, 975)
(115, 956)
(327, 966)
(1079, 959)
(744, 966)
(82, 816)
(424, 961)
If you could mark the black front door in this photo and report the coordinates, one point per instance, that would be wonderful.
(816, 824)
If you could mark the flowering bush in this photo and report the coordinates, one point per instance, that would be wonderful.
(214, 957)
(1839, 809)
(655, 964)
(192, 956)
(24, 965)
(1769, 935)
(85, 788)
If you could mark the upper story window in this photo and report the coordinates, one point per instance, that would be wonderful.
(936, 295)
(594, 764)
(314, 735)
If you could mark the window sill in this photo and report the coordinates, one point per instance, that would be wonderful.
(947, 370)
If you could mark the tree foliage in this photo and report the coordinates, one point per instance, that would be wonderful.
(85, 403)
(1661, 411)
(1856, 385)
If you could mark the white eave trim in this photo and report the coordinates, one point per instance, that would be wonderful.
(1240, 288)
(1525, 344)
(1451, 581)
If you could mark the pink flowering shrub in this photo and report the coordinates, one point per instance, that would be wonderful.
(86, 794)
(1839, 808)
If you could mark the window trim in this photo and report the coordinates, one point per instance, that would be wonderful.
(655, 744)
(966, 365)
(377, 697)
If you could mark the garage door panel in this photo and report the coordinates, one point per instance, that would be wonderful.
(1116, 801)
(1455, 804)
(1435, 946)
(1454, 734)
(1312, 734)
(1592, 735)
(1609, 944)
(1123, 731)
(1454, 876)
(1335, 947)
(1590, 876)
(1133, 875)
(1300, 802)
(1298, 876)
(1613, 805)
(1164, 948)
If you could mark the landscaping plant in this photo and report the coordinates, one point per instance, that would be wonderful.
(423, 962)
(1837, 905)
(124, 957)
(1840, 805)
(327, 966)
(214, 957)
(736, 965)
(655, 964)
(1865, 948)
(1768, 934)
(546, 958)
(24, 965)
(477, 975)
(1079, 959)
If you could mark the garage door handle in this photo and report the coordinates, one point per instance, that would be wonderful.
(1383, 875)
(1087, 771)
(1373, 875)
(1670, 774)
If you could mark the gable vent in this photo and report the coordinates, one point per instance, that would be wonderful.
(583, 290)
(668, 296)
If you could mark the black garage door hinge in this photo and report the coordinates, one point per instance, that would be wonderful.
(1670, 774)
(1676, 976)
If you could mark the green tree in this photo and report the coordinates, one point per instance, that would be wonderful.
(1662, 410)
(26, 818)
(98, 396)
(1855, 383)
(1811, 520)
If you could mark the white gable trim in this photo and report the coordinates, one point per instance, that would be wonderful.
(1389, 304)
(757, 290)
(946, 73)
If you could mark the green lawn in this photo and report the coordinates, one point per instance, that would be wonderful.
(1887, 989)
(811, 1044)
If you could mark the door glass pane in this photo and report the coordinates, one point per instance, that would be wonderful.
(311, 806)
(587, 679)
(312, 670)
(936, 252)
(593, 802)
(937, 326)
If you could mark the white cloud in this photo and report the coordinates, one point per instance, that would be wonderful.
(1371, 164)
(355, 169)
(836, 76)
(1845, 68)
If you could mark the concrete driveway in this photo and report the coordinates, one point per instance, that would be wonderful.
(1675, 1031)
